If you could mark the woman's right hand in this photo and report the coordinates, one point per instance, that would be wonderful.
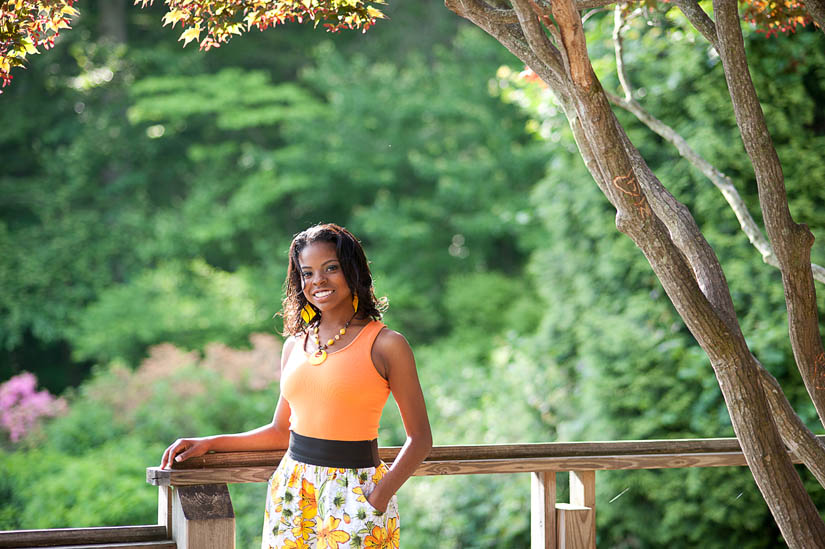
(182, 449)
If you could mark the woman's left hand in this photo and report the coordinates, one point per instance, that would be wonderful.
(376, 502)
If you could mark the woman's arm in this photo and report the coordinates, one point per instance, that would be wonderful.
(393, 355)
(273, 436)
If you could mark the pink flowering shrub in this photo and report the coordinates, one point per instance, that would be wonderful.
(22, 406)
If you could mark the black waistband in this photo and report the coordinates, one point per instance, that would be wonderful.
(348, 454)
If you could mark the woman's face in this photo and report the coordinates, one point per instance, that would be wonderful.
(322, 279)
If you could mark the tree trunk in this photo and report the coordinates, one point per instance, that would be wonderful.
(690, 276)
(791, 242)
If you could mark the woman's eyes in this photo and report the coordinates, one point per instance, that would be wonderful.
(329, 269)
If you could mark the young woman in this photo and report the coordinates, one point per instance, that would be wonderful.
(338, 367)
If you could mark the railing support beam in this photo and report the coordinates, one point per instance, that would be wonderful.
(542, 510)
(574, 531)
(580, 514)
(165, 509)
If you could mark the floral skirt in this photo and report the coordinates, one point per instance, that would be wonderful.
(316, 507)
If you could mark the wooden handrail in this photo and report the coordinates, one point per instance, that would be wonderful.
(71, 536)
(237, 467)
(197, 512)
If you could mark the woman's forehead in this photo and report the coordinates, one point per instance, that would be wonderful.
(317, 253)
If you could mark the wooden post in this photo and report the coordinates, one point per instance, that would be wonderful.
(542, 510)
(583, 494)
(165, 509)
(574, 530)
(202, 516)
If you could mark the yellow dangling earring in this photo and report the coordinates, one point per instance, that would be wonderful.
(355, 302)
(307, 313)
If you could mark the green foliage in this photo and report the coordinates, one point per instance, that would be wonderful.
(190, 304)
(160, 210)
(247, 186)
(47, 488)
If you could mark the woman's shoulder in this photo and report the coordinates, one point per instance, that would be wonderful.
(390, 340)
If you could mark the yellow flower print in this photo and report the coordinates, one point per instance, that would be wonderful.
(297, 473)
(347, 519)
(328, 536)
(308, 503)
(303, 527)
(393, 533)
(361, 496)
(278, 504)
(297, 544)
(377, 539)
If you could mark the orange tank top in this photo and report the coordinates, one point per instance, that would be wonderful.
(340, 399)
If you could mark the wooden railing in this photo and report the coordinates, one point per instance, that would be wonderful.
(188, 486)
(195, 511)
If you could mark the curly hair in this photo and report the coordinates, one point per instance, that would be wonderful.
(354, 266)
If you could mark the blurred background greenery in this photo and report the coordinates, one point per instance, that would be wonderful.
(149, 195)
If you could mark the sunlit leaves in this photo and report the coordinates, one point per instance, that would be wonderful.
(223, 18)
(26, 25)
(775, 16)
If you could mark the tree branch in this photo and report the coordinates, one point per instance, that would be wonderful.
(581, 5)
(795, 434)
(791, 241)
(575, 44)
(590, 4)
(699, 19)
(618, 47)
(719, 179)
(533, 31)
(481, 9)
(503, 15)
(677, 217)
(511, 37)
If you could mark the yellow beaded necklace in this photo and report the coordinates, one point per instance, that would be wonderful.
(320, 354)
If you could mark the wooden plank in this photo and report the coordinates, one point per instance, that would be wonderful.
(574, 527)
(583, 494)
(202, 516)
(68, 536)
(494, 451)
(235, 464)
(137, 545)
(490, 466)
(543, 510)
(165, 509)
